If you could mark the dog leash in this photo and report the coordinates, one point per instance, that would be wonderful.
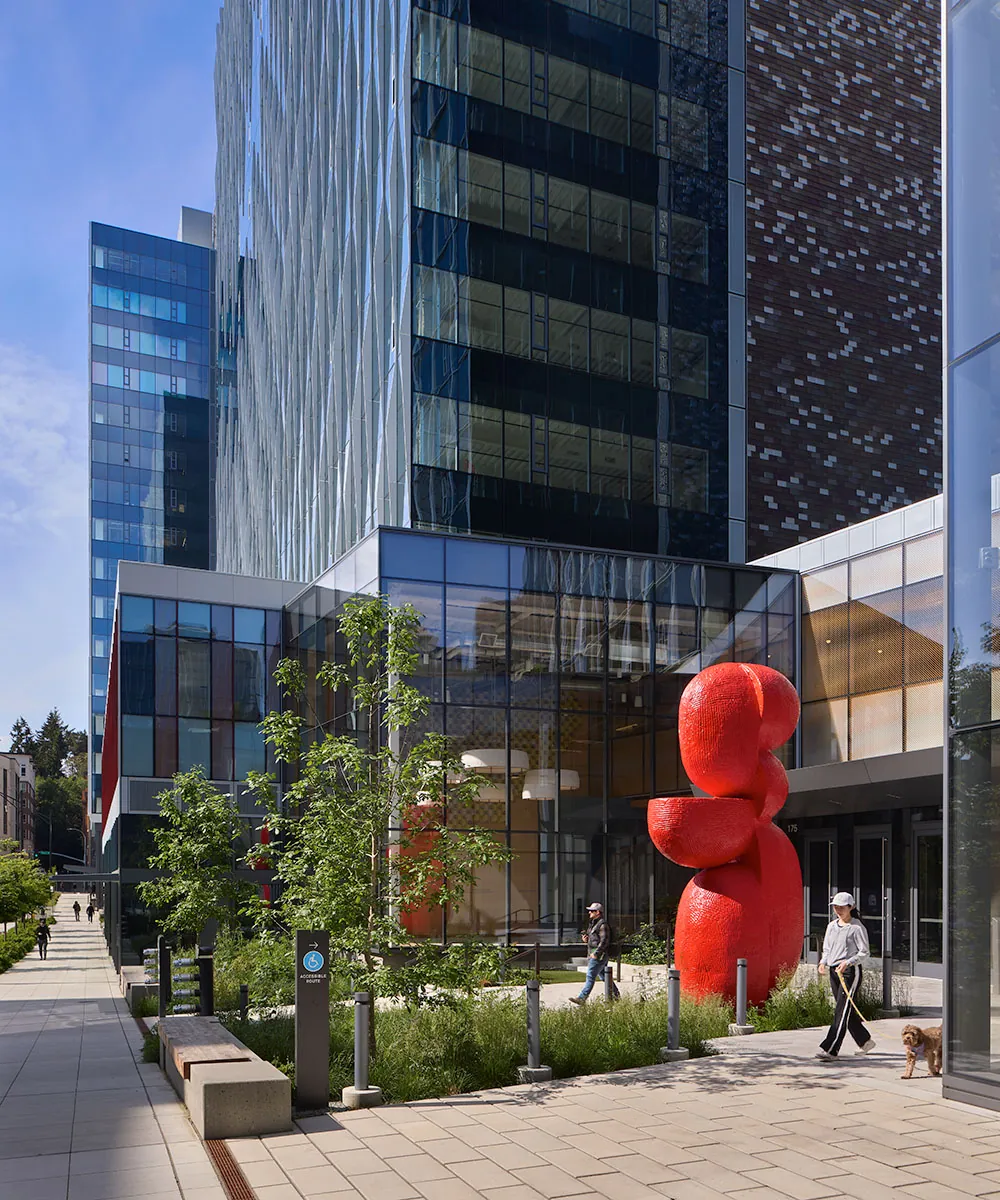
(850, 999)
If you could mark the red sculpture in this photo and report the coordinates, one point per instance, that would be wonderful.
(747, 901)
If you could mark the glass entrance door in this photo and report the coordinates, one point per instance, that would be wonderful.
(926, 901)
(820, 874)
(871, 875)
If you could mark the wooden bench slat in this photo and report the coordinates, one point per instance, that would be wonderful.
(201, 1040)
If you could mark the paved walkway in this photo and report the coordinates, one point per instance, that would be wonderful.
(81, 1116)
(763, 1119)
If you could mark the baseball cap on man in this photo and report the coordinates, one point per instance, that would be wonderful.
(597, 906)
(843, 899)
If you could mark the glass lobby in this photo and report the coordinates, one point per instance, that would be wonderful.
(972, 415)
(561, 670)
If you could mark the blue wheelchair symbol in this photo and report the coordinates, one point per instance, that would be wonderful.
(313, 961)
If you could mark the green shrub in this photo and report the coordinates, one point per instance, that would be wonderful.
(793, 1008)
(646, 948)
(151, 1047)
(468, 1045)
(15, 944)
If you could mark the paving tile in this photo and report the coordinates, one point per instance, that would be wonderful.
(387, 1185)
(390, 1145)
(49, 1188)
(318, 1181)
(790, 1184)
(451, 1150)
(420, 1168)
(551, 1182)
(482, 1174)
(125, 1184)
(263, 1173)
(352, 1164)
(277, 1191)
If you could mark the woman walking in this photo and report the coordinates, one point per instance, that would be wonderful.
(42, 937)
(844, 947)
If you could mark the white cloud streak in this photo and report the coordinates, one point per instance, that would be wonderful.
(43, 540)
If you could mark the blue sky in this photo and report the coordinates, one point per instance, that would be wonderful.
(108, 116)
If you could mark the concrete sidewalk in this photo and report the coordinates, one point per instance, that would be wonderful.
(81, 1116)
(762, 1119)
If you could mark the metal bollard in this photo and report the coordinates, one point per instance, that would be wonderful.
(206, 984)
(163, 970)
(534, 1025)
(618, 971)
(673, 1008)
(741, 991)
(609, 981)
(244, 1002)
(362, 1015)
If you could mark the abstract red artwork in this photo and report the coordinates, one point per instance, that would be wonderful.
(746, 901)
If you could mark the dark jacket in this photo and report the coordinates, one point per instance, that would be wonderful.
(599, 938)
(42, 933)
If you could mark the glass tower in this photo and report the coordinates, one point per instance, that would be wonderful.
(972, 491)
(481, 267)
(151, 357)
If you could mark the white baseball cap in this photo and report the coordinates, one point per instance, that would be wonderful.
(597, 906)
(843, 899)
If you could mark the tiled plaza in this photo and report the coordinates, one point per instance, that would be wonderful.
(82, 1118)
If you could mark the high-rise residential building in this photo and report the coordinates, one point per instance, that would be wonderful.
(481, 269)
(151, 356)
(843, 265)
(972, 541)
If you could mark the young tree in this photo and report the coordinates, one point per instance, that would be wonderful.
(196, 849)
(50, 746)
(23, 885)
(21, 739)
(360, 839)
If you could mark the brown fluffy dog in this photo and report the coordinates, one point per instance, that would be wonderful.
(930, 1039)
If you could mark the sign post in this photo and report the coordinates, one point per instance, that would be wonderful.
(312, 1020)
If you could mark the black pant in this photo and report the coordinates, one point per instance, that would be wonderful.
(845, 1018)
(43, 949)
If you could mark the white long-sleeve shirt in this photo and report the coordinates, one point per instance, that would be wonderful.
(847, 944)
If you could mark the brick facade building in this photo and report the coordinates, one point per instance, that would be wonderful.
(843, 264)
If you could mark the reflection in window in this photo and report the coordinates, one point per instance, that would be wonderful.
(435, 48)
(609, 344)
(824, 732)
(194, 745)
(568, 455)
(435, 303)
(435, 183)
(137, 745)
(609, 107)
(581, 652)
(517, 199)
(480, 64)
(480, 189)
(568, 335)
(643, 340)
(569, 205)
(533, 650)
(427, 599)
(689, 248)
(689, 133)
(480, 439)
(249, 680)
(480, 313)
(568, 93)
(688, 363)
(609, 225)
(476, 645)
(688, 478)
(193, 678)
(689, 25)
(517, 322)
(609, 461)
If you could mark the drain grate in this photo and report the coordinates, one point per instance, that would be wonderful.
(228, 1171)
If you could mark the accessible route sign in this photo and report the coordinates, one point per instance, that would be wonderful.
(312, 1020)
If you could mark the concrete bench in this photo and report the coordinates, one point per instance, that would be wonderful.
(134, 987)
(229, 1091)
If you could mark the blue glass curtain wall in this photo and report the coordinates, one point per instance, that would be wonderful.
(570, 664)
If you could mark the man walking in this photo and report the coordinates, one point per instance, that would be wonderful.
(42, 938)
(598, 939)
(76, 909)
(90, 913)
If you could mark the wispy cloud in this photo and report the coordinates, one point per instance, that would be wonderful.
(43, 539)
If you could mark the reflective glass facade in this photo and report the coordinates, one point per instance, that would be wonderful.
(562, 669)
(972, 1004)
(151, 354)
(513, 304)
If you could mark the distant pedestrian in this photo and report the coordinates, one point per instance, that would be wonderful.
(90, 913)
(598, 939)
(42, 938)
(76, 909)
(845, 946)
